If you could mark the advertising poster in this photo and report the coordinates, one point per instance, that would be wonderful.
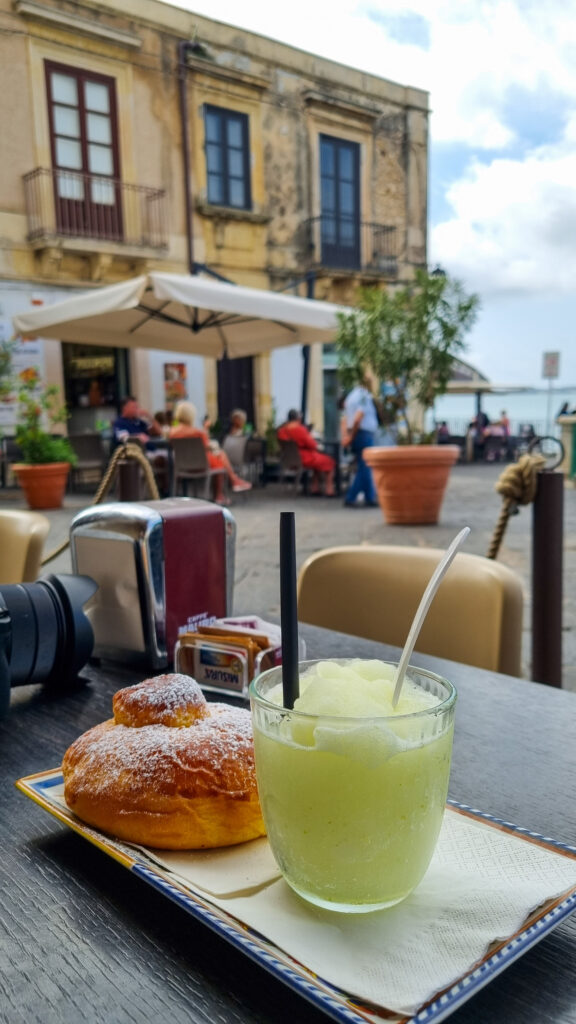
(175, 389)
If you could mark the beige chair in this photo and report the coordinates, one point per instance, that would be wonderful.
(373, 592)
(22, 536)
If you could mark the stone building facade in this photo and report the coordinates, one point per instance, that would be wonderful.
(140, 136)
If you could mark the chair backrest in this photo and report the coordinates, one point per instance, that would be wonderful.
(189, 455)
(255, 449)
(88, 447)
(374, 591)
(22, 536)
(290, 456)
(12, 450)
(235, 448)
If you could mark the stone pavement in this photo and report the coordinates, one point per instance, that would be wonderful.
(322, 522)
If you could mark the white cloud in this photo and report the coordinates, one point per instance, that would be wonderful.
(514, 224)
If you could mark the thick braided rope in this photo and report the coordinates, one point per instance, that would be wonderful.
(517, 485)
(124, 451)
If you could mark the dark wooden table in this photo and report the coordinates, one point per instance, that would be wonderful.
(82, 940)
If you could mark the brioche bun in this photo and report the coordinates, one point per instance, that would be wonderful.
(169, 770)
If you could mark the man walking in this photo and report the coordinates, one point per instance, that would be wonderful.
(362, 423)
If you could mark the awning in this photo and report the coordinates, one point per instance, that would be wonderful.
(184, 313)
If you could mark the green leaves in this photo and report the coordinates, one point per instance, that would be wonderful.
(409, 338)
(36, 444)
(39, 447)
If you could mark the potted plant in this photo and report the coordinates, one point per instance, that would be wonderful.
(408, 338)
(43, 474)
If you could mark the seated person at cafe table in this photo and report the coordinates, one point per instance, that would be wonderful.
(183, 425)
(238, 420)
(322, 465)
(132, 422)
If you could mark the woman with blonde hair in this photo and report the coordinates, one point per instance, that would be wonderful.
(238, 419)
(183, 425)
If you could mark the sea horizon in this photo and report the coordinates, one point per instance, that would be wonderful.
(538, 406)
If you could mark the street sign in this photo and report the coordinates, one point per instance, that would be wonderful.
(551, 365)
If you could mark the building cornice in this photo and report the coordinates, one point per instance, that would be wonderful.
(85, 26)
(318, 98)
(228, 74)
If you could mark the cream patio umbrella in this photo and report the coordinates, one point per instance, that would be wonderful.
(184, 313)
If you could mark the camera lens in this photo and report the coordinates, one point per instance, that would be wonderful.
(45, 636)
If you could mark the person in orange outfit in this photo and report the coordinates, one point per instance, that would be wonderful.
(184, 420)
(322, 465)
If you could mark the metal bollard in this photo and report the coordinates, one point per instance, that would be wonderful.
(547, 568)
(128, 480)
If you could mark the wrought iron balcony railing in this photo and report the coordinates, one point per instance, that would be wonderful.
(68, 204)
(344, 243)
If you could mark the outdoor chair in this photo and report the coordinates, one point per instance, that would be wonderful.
(291, 468)
(11, 453)
(255, 459)
(457, 439)
(191, 466)
(496, 449)
(235, 448)
(22, 536)
(89, 450)
(374, 591)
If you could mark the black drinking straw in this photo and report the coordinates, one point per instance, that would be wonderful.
(288, 609)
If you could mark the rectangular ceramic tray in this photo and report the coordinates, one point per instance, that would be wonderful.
(325, 996)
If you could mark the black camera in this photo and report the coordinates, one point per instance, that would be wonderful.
(45, 637)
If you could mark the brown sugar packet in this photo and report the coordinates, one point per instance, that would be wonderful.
(243, 643)
(258, 638)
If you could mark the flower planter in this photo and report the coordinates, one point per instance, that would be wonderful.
(411, 480)
(45, 484)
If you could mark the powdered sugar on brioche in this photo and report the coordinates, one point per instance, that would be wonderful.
(172, 699)
(170, 770)
(215, 755)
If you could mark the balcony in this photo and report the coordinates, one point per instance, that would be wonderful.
(354, 246)
(71, 209)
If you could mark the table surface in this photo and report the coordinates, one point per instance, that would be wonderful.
(81, 939)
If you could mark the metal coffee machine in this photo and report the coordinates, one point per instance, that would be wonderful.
(159, 565)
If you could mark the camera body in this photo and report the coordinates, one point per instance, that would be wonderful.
(45, 636)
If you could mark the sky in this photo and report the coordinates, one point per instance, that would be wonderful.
(501, 75)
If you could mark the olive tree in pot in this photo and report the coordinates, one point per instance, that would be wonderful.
(43, 473)
(409, 339)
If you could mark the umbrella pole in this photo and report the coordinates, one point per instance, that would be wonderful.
(310, 282)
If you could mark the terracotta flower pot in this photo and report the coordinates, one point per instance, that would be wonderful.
(44, 485)
(411, 480)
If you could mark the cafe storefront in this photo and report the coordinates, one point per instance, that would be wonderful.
(96, 378)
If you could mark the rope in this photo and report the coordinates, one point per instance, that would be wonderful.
(518, 485)
(128, 450)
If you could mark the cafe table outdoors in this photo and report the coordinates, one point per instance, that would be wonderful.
(84, 940)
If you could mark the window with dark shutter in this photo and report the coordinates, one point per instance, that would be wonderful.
(340, 202)
(85, 157)
(227, 157)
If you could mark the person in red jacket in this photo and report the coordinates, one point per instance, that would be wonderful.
(322, 465)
